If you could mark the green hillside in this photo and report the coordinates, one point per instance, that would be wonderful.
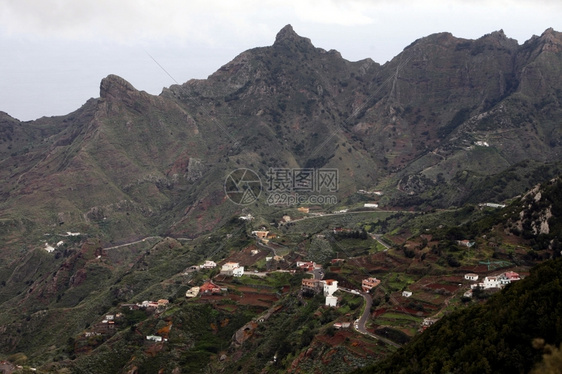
(495, 337)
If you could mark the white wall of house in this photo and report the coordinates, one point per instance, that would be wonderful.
(238, 272)
(329, 289)
(331, 301)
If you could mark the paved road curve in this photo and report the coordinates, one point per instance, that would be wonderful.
(359, 324)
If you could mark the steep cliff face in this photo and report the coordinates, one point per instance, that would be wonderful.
(539, 215)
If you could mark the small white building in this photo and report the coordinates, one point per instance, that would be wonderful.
(466, 243)
(492, 205)
(508, 277)
(406, 293)
(154, 338)
(229, 266)
(192, 292)
(492, 282)
(238, 271)
(370, 205)
(209, 265)
(330, 286)
(471, 277)
(331, 301)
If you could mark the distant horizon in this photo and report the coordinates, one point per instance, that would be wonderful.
(57, 63)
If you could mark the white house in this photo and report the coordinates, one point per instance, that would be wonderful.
(493, 205)
(471, 277)
(508, 277)
(154, 338)
(330, 286)
(331, 301)
(227, 267)
(491, 282)
(209, 265)
(406, 293)
(192, 292)
(238, 271)
(466, 243)
(342, 325)
(370, 205)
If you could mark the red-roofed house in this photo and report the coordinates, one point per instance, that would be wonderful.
(369, 283)
(209, 288)
(311, 285)
(508, 277)
(306, 265)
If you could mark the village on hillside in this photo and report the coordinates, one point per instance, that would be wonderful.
(259, 275)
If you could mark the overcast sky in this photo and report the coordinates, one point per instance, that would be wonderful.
(55, 52)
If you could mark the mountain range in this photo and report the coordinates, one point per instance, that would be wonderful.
(430, 126)
(447, 122)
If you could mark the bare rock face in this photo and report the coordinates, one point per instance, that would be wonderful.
(114, 86)
(288, 37)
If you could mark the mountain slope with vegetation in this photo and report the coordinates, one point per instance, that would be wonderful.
(429, 127)
(114, 203)
(495, 337)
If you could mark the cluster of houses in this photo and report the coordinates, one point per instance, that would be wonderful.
(308, 265)
(147, 304)
(228, 268)
(207, 288)
(328, 287)
(497, 281)
(264, 235)
(232, 269)
(106, 326)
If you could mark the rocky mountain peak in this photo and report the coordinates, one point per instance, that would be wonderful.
(499, 39)
(552, 40)
(286, 33)
(288, 37)
(113, 86)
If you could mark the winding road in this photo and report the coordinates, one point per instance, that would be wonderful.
(359, 324)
